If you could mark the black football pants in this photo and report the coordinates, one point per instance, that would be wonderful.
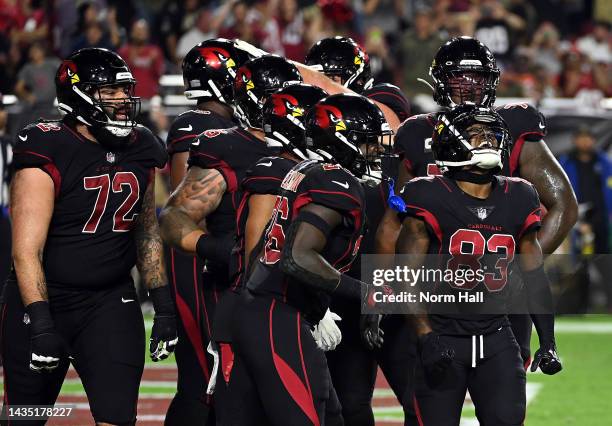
(353, 367)
(279, 376)
(496, 383)
(195, 306)
(106, 344)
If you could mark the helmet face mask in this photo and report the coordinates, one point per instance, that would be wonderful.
(341, 58)
(118, 105)
(470, 138)
(464, 71)
(349, 130)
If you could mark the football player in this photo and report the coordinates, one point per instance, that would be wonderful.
(218, 161)
(283, 123)
(464, 71)
(465, 214)
(345, 62)
(280, 376)
(83, 216)
(209, 69)
(353, 363)
(315, 74)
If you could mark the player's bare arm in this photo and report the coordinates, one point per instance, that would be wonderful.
(301, 256)
(149, 249)
(317, 78)
(539, 167)
(198, 195)
(260, 211)
(32, 202)
(178, 168)
(414, 240)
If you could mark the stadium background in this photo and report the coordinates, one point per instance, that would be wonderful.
(554, 54)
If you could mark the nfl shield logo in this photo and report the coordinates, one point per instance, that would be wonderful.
(482, 213)
(110, 157)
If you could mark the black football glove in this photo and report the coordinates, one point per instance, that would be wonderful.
(163, 335)
(46, 345)
(370, 331)
(547, 359)
(436, 358)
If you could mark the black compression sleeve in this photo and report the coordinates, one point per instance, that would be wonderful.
(540, 303)
(214, 248)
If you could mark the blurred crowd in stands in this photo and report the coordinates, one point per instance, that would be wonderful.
(546, 48)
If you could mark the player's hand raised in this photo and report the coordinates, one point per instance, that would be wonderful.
(547, 359)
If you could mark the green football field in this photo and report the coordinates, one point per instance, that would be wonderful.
(580, 395)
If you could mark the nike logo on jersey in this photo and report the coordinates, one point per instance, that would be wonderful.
(268, 164)
(541, 126)
(126, 300)
(196, 142)
(23, 138)
(186, 129)
(344, 185)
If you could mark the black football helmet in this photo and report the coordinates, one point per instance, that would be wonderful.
(209, 69)
(464, 68)
(337, 128)
(257, 79)
(451, 141)
(283, 117)
(342, 56)
(78, 82)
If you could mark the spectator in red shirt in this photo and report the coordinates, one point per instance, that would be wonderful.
(146, 60)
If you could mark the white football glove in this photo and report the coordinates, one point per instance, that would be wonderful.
(255, 52)
(326, 333)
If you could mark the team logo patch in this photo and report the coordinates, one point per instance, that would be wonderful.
(68, 72)
(286, 105)
(244, 78)
(328, 116)
(217, 57)
(482, 212)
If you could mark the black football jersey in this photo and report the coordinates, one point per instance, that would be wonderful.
(231, 152)
(263, 177)
(98, 196)
(413, 138)
(310, 182)
(482, 234)
(188, 125)
(391, 96)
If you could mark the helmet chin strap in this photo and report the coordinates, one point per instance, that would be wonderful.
(486, 159)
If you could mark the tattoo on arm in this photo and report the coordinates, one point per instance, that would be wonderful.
(149, 247)
(198, 195)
